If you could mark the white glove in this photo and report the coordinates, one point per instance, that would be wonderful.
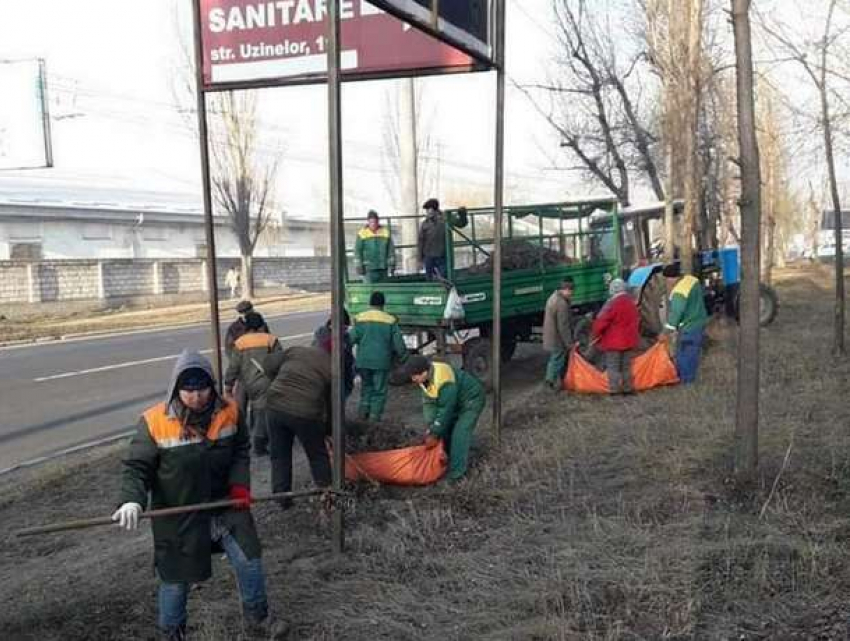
(128, 515)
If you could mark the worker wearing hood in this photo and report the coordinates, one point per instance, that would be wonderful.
(193, 448)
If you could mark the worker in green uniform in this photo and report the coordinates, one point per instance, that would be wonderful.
(378, 340)
(452, 401)
(374, 253)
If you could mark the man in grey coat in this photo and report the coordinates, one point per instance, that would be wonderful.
(558, 332)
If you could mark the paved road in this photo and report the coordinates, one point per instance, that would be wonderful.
(54, 396)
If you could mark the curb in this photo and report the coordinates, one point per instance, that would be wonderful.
(68, 450)
(140, 329)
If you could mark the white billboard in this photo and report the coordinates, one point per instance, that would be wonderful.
(24, 120)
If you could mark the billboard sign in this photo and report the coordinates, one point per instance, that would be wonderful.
(24, 122)
(284, 42)
(466, 25)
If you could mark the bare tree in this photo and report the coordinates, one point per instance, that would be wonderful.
(243, 178)
(596, 103)
(747, 414)
(816, 60)
(243, 170)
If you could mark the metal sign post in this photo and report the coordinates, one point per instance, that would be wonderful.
(498, 206)
(209, 228)
(337, 266)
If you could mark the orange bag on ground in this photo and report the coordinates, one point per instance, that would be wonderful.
(415, 465)
(651, 369)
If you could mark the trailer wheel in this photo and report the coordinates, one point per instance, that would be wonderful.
(477, 360)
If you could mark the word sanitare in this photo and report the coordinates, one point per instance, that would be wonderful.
(281, 13)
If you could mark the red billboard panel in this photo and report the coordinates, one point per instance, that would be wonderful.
(284, 42)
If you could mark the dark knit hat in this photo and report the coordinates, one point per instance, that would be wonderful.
(431, 203)
(194, 379)
(244, 306)
(372, 214)
(377, 299)
(254, 321)
(416, 364)
(673, 270)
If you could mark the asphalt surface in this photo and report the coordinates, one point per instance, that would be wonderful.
(56, 396)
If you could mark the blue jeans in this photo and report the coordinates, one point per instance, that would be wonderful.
(688, 353)
(435, 268)
(249, 575)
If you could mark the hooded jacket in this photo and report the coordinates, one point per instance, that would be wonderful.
(167, 467)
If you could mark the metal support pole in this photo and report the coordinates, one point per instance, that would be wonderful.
(337, 265)
(209, 228)
(499, 180)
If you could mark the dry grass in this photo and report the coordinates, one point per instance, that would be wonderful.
(600, 519)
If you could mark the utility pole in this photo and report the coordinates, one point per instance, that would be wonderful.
(409, 172)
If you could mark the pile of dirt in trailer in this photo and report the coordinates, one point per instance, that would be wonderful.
(522, 254)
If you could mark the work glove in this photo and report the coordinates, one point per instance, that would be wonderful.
(431, 441)
(128, 516)
(241, 493)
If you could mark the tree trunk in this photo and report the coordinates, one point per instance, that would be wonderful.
(409, 173)
(747, 414)
(691, 131)
(838, 345)
(247, 288)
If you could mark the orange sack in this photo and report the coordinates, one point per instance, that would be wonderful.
(415, 465)
(651, 369)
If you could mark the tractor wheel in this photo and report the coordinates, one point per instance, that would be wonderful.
(768, 305)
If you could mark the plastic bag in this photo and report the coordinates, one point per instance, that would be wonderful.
(415, 465)
(454, 306)
(651, 369)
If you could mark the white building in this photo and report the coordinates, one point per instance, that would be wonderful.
(48, 219)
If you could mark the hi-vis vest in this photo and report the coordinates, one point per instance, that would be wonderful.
(165, 431)
(441, 374)
(253, 339)
(375, 316)
(368, 234)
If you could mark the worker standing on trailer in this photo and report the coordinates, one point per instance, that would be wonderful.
(688, 317)
(558, 332)
(431, 242)
(617, 332)
(193, 448)
(452, 401)
(245, 367)
(378, 340)
(374, 252)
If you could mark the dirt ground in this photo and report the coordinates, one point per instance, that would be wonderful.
(597, 518)
(39, 326)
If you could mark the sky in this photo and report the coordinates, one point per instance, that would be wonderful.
(113, 66)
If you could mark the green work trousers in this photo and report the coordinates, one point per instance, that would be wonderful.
(374, 275)
(556, 368)
(373, 393)
(458, 438)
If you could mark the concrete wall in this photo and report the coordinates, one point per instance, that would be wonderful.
(55, 281)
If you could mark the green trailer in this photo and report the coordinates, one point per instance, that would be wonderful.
(542, 244)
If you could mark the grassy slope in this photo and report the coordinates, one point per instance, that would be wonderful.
(600, 518)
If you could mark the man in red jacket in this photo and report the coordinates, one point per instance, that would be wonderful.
(616, 331)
